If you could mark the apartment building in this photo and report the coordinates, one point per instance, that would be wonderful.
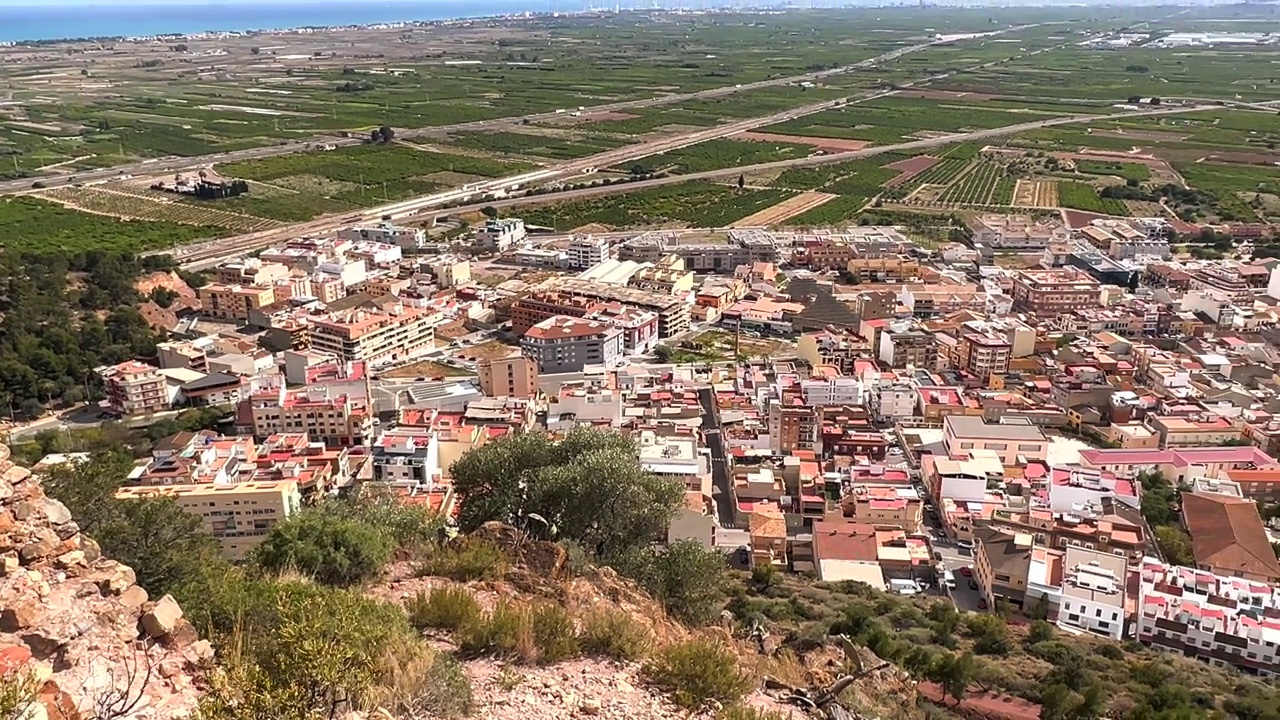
(999, 233)
(1080, 590)
(541, 305)
(564, 344)
(673, 311)
(237, 515)
(1001, 565)
(1221, 620)
(500, 235)
(512, 376)
(396, 332)
(250, 271)
(340, 420)
(406, 457)
(675, 455)
(450, 270)
(233, 302)
(885, 505)
(1051, 292)
(1192, 431)
(889, 269)
(136, 388)
(703, 254)
(667, 276)
(639, 327)
(588, 250)
(983, 354)
(1178, 465)
(405, 237)
(1014, 440)
(903, 345)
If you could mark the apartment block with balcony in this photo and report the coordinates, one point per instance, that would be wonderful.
(588, 250)
(336, 420)
(500, 235)
(136, 388)
(885, 505)
(564, 344)
(1080, 589)
(406, 457)
(1051, 292)
(1227, 622)
(233, 302)
(239, 516)
(1014, 440)
(394, 333)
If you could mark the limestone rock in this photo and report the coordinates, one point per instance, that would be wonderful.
(163, 618)
(19, 617)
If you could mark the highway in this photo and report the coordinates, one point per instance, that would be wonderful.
(210, 254)
(172, 164)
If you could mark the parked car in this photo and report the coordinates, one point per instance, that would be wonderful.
(966, 571)
(982, 604)
(973, 584)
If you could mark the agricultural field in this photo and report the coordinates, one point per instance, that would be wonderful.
(1082, 196)
(543, 146)
(842, 209)
(894, 120)
(942, 173)
(152, 206)
(45, 226)
(145, 100)
(690, 204)
(1036, 193)
(1136, 172)
(985, 183)
(789, 208)
(304, 185)
(718, 154)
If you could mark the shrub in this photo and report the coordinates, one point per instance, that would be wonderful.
(614, 634)
(417, 680)
(444, 608)
(1112, 652)
(696, 671)
(743, 712)
(465, 562)
(340, 552)
(504, 632)
(553, 633)
(1040, 631)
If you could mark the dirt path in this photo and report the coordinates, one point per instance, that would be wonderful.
(786, 209)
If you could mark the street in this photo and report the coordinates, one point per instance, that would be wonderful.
(722, 494)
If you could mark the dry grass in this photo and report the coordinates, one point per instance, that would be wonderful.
(444, 608)
(697, 671)
(615, 634)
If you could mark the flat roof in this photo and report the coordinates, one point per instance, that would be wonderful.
(970, 426)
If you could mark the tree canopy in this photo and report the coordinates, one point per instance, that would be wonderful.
(588, 486)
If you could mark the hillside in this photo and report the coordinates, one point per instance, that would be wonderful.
(78, 638)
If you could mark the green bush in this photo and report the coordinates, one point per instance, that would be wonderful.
(340, 552)
(443, 608)
(696, 671)
(553, 633)
(466, 561)
(614, 634)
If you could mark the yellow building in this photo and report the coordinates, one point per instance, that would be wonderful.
(513, 376)
(238, 515)
(233, 302)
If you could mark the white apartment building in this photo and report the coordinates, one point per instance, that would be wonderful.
(395, 333)
(405, 237)
(1224, 621)
(500, 235)
(1083, 589)
(893, 402)
(587, 251)
(832, 391)
(337, 420)
(676, 457)
(407, 458)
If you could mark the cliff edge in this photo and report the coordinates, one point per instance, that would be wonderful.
(76, 629)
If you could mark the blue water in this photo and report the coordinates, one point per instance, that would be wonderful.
(51, 21)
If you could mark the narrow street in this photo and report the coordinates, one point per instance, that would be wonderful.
(721, 494)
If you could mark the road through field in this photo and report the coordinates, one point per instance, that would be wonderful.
(210, 254)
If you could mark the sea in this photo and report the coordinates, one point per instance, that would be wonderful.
(54, 21)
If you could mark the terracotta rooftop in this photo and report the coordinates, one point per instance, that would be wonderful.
(1227, 536)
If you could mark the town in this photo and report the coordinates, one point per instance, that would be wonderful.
(983, 420)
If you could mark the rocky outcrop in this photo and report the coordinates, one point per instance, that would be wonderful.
(76, 625)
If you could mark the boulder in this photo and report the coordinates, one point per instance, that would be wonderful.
(44, 545)
(20, 616)
(56, 512)
(113, 578)
(133, 598)
(163, 618)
